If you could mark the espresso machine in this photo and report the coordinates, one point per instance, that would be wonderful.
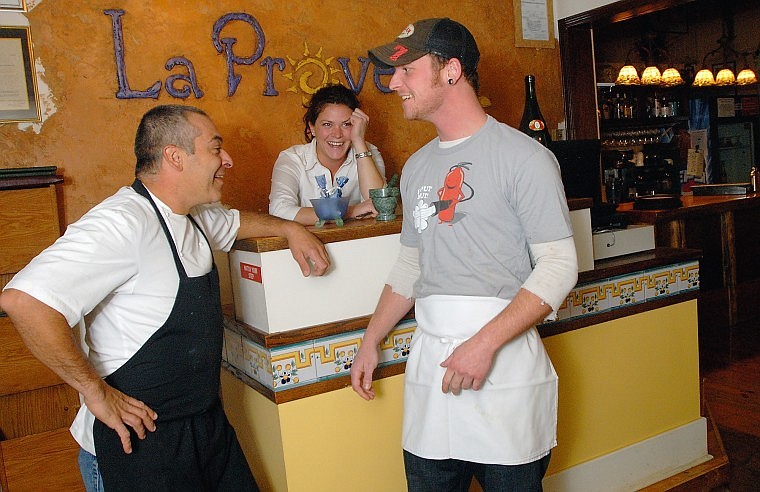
(618, 176)
(658, 176)
(649, 178)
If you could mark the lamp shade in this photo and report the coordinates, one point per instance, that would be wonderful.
(725, 77)
(746, 77)
(704, 78)
(651, 76)
(628, 76)
(671, 77)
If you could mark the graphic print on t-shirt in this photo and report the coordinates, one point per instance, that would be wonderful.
(449, 195)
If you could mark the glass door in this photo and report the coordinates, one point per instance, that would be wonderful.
(736, 148)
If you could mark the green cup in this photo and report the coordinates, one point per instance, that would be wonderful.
(384, 200)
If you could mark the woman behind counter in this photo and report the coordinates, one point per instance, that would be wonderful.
(334, 128)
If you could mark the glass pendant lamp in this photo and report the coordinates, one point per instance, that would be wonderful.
(651, 76)
(671, 77)
(746, 77)
(628, 76)
(725, 77)
(704, 78)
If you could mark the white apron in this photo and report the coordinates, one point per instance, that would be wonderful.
(511, 420)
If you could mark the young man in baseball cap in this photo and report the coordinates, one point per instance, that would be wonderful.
(486, 253)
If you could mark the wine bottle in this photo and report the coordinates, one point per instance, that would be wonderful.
(533, 123)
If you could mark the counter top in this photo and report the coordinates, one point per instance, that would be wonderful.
(645, 260)
(329, 233)
(353, 229)
(692, 205)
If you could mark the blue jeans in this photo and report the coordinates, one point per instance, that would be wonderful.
(88, 467)
(426, 475)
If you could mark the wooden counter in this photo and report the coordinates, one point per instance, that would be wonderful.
(355, 229)
(727, 230)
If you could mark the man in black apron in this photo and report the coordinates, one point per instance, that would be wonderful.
(166, 394)
(193, 447)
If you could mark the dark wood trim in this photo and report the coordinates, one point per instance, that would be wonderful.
(330, 233)
(620, 11)
(22, 182)
(579, 203)
(290, 337)
(578, 80)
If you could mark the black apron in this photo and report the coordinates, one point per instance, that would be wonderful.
(176, 373)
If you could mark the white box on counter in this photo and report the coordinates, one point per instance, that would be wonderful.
(271, 294)
(618, 242)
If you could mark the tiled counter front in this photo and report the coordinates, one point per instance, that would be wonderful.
(277, 364)
(310, 361)
(626, 290)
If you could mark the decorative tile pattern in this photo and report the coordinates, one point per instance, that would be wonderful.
(626, 290)
(395, 348)
(309, 361)
(333, 356)
(258, 363)
(315, 360)
(233, 348)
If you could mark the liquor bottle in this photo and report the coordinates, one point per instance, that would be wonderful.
(533, 123)
(605, 104)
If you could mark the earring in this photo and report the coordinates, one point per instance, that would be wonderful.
(451, 81)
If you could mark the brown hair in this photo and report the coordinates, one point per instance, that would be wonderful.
(329, 94)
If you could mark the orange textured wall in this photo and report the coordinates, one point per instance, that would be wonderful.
(89, 135)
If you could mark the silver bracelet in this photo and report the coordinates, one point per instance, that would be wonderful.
(363, 154)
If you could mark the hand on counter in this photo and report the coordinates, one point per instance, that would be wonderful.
(362, 210)
(307, 250)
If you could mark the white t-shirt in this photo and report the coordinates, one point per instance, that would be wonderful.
(114, 268)
(294, 178)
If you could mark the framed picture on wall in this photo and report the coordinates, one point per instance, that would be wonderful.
(534, 23)
(18, 5)
(18, 83)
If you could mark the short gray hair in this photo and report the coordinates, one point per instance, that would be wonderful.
(161, 126)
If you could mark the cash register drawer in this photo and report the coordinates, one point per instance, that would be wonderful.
(617, 242)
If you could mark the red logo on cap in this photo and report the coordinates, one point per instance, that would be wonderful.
(400, 50)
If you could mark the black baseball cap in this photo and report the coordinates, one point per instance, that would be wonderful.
(443, 37)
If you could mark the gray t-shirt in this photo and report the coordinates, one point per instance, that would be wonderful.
(472, 210)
